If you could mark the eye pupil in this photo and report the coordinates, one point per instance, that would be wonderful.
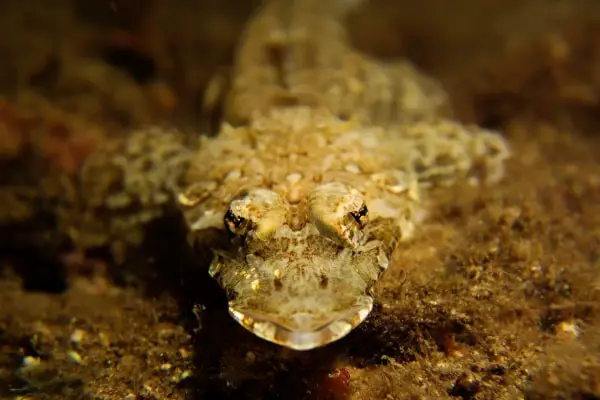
(234, 223)
(361, 215)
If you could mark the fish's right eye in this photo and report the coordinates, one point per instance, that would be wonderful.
(235, 224)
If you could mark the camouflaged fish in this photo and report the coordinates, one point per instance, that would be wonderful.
(318, 172)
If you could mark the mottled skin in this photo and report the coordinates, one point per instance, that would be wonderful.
(322, 177)
(297, 52)
(304, 257)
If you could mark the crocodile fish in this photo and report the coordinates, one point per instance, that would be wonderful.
(318, 172)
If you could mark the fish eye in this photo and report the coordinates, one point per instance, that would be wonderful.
(361, 216)
(339, 213)
(236, 224)
(256, 213)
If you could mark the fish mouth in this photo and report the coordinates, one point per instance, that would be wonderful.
(303, 330)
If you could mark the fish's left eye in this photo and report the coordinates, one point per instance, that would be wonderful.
(361, 216)
(339, 213)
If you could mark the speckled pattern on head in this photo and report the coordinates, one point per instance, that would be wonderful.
(323, 175)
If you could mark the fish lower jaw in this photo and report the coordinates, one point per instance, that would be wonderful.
(302, 330)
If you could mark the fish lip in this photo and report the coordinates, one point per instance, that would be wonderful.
(268, 328)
